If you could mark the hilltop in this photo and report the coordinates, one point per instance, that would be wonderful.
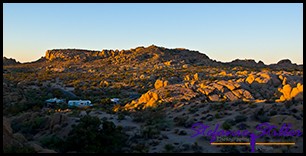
(9, 61)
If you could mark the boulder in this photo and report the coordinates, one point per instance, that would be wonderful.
(217, 86)
(288, 92)
(214, 98)
(187, 78)
(247, 94)
(229, 84)
(185, 66)
(230, 96)
(159, 84)
(238, 93)
(206, 89)
(196, 76)
(250, 79)
(295, 91)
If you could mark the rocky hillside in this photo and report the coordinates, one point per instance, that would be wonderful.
(162, 92)
(9, 61)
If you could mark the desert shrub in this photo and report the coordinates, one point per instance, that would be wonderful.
(196, 148)
(192, 110)
(149, 116)
(180, 120)
(231, 122)
(219, 106)
(218, 116)
(155, 117)
(240, 118)
(57, 93)
(149, 132)
(121, 116)
(230, 149)
(169, 147)
(261, 116)
(226, 126)
(105, 101)
(38, 122)
(273, 112)
(252, 105)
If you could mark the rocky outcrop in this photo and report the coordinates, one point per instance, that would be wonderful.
(72, 54)
(167, 94)
(289, 93)
(148, 99)
(225, 90)
(57, 120)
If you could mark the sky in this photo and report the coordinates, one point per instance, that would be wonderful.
(224, 32)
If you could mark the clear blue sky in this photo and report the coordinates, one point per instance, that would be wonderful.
(224, 32)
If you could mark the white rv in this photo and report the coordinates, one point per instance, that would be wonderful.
(79, 103)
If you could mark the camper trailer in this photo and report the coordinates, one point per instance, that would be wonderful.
(79, 103)
(50, 103)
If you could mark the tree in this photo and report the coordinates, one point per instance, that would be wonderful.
(88, 137)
